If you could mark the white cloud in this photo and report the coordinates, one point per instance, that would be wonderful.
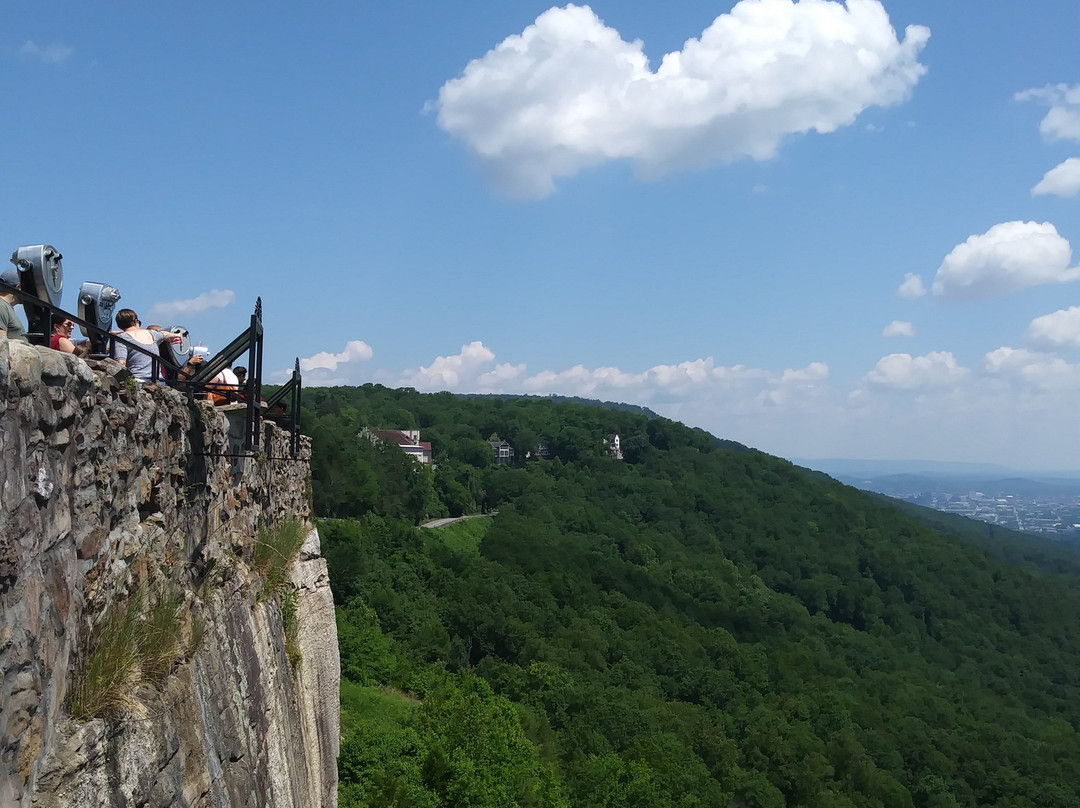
(54, 54)
(474, 369)
(355, 350)
(1007, 257)
(1005, 360)
(898, 328)
(1062, 122)
(906, 372)
(1061, 180)
(447, 372)
(171, 309)
(912, 287)
(569, 93)
(1061, 329)
(1015, 407)
(497, 379)
(1032, 371)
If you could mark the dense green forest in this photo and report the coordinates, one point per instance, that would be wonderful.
(699, 624)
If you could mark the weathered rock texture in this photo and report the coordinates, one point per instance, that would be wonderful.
(105, 491)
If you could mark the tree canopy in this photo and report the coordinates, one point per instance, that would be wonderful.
(701, 624)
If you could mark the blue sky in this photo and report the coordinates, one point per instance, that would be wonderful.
(515, 197)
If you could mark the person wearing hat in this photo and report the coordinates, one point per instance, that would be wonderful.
(10, 325)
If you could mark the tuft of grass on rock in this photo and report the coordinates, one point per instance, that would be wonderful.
(275, 548)
(127, 649)
(160, 639)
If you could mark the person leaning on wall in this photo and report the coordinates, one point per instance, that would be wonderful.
(131, 331)
(222, 389)
(60, 340)
(10, 324)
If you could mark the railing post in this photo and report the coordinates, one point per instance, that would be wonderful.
(254, 393)
(294, 437)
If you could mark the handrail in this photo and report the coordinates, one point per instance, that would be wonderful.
(201, 381)
(250, 340)
(156, 360)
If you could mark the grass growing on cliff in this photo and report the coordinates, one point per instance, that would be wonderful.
(275, 548)
(128, 648)
(159, 639)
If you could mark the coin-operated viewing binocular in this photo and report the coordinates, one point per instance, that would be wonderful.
(97, 304)
(41, 275)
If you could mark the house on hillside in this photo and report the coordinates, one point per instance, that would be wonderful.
(408, 440)
(504, 452)
(543, 451)
(612, 446)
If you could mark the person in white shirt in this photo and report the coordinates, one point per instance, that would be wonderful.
(223, 387)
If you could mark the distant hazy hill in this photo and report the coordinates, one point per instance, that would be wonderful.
(934, 471)
(836, 467)
(694, 626)
(906, 484)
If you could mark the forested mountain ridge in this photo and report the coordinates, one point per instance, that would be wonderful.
(694, 626)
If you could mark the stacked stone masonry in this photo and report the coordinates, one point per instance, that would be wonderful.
(107, 489)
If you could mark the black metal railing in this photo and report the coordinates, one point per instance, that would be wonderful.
(201, 381)
(291, 390)
(250, 341)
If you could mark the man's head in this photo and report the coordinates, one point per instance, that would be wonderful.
(241, 373)
(126, 318)
(9, 279)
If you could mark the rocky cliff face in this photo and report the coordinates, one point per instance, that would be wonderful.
(117, 504)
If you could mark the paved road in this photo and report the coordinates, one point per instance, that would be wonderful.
(445, 522)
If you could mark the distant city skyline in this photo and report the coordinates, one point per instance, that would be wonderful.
(816, 228)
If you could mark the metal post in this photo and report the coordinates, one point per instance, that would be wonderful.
(254, 410)
(294, 437)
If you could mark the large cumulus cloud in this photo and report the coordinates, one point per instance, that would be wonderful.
(569, 93)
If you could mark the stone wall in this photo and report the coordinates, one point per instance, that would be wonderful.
(107, 493)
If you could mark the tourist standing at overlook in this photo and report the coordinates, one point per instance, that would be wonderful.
(131, 331)
(10, 324)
